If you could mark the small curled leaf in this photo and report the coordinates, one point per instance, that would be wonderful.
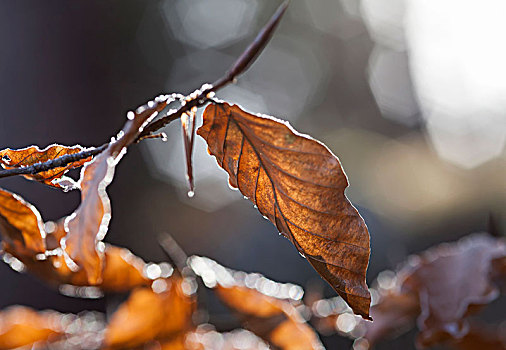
(10, 159)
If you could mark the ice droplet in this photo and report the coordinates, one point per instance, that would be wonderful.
(191, 194)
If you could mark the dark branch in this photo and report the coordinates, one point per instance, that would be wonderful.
(196, 99)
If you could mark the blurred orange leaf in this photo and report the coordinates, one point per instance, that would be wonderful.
(28, 156)
(298, 184)
(271, 317)
(163, 311)
(22, 326)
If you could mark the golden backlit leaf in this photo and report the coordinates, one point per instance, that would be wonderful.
(88, 225)
(272, 317)
(452, 280)
(10, 159)
(21, 326)
(298, 184)
(162, 311)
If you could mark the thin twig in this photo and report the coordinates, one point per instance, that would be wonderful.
(174, 252)
(198, 99)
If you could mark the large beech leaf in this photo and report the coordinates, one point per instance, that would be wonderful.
(10, 159)
(265, 306)
(298, 184)
(88, 225)
(21, 326)
(452, 280)
(25, 237)
(161, 312)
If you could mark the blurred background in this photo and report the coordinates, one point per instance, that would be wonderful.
(410, 95)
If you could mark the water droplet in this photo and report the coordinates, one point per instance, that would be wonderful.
(265, 217)
(6, 159)
(41, 256)
(159, 286)
(130, 115)
(255, 206)
(191, 194)
(164, 137)
(302, 254)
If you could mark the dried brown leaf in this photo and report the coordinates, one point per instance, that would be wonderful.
(88, 225)
(395, 313)
(452, 281)
(22, 326)
(161, 312)
(483, 338)
(298, 184)
(10, 159)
